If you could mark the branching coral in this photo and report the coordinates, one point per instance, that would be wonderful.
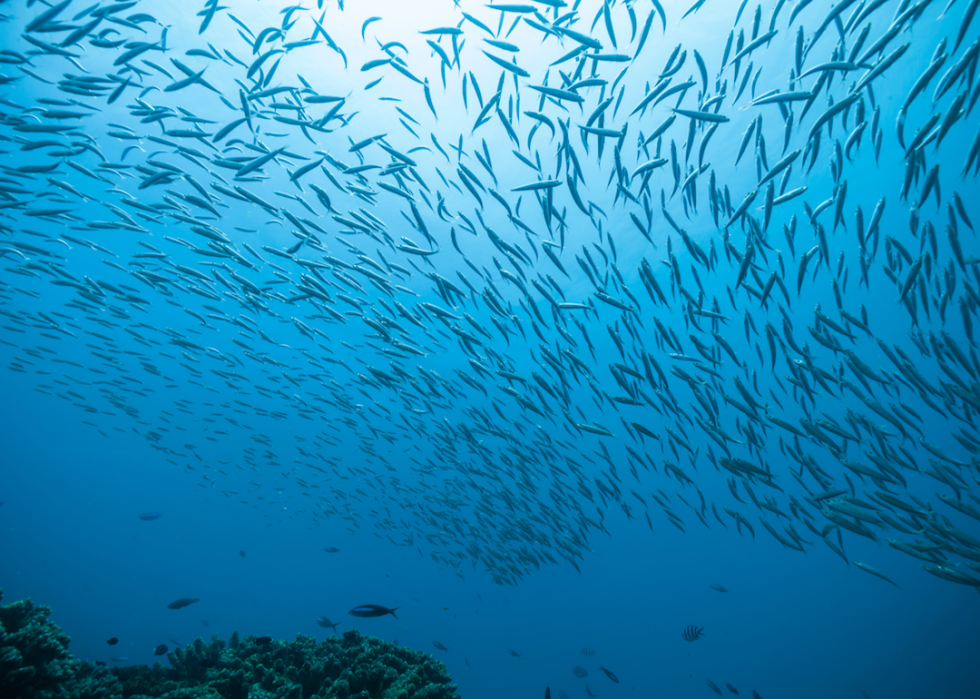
(35, 664)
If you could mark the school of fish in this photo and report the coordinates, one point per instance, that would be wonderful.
(521, 271)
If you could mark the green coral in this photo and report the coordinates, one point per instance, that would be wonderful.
(35, 662)
(354, 666)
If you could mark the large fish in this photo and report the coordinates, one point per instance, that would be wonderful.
(372, 610)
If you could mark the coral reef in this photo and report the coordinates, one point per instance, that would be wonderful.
(35, 664)
(354, 666)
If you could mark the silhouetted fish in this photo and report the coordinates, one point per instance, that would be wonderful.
(160, 649)
(610, 674)
(580, 671)
(326, 623)
(369, 610)
(692, 633)
(113, 641)
(183, 602)
(149, 516)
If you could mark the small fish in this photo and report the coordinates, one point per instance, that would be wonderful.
(263, 640)
(326, 623)
(610, 674)
(331, 549)
(692, 633)
(719, 588)
(370, 610)
(183, 602)
(161, 649)
(514, 653)
(440, 646)
(205, 624)
(149, 516)
(588, 651)
(113, 641)
(580, 671)
(242, 554)
(118, 659)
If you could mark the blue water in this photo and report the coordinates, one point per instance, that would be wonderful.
(262, 430)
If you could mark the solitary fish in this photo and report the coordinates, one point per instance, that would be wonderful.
(440, 646)
(113, 641)
(149, 516)
(610, 674)
(326, 623)
(331, 549)
(369, 610)
(183, 602)
(161, 649)
(719, 588)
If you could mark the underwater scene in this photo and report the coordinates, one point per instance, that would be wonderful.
(585, 349)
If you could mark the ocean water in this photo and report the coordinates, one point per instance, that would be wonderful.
(244, 332)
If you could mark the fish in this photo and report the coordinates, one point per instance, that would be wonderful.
(580, 671)
(440, 646)
(692, 633)
(183, 602)
(331, 549)
(609, 674)
(719, 588)
(113, 641)
(325, 622)
(160, 649)
(212, 183)
(372, 610)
